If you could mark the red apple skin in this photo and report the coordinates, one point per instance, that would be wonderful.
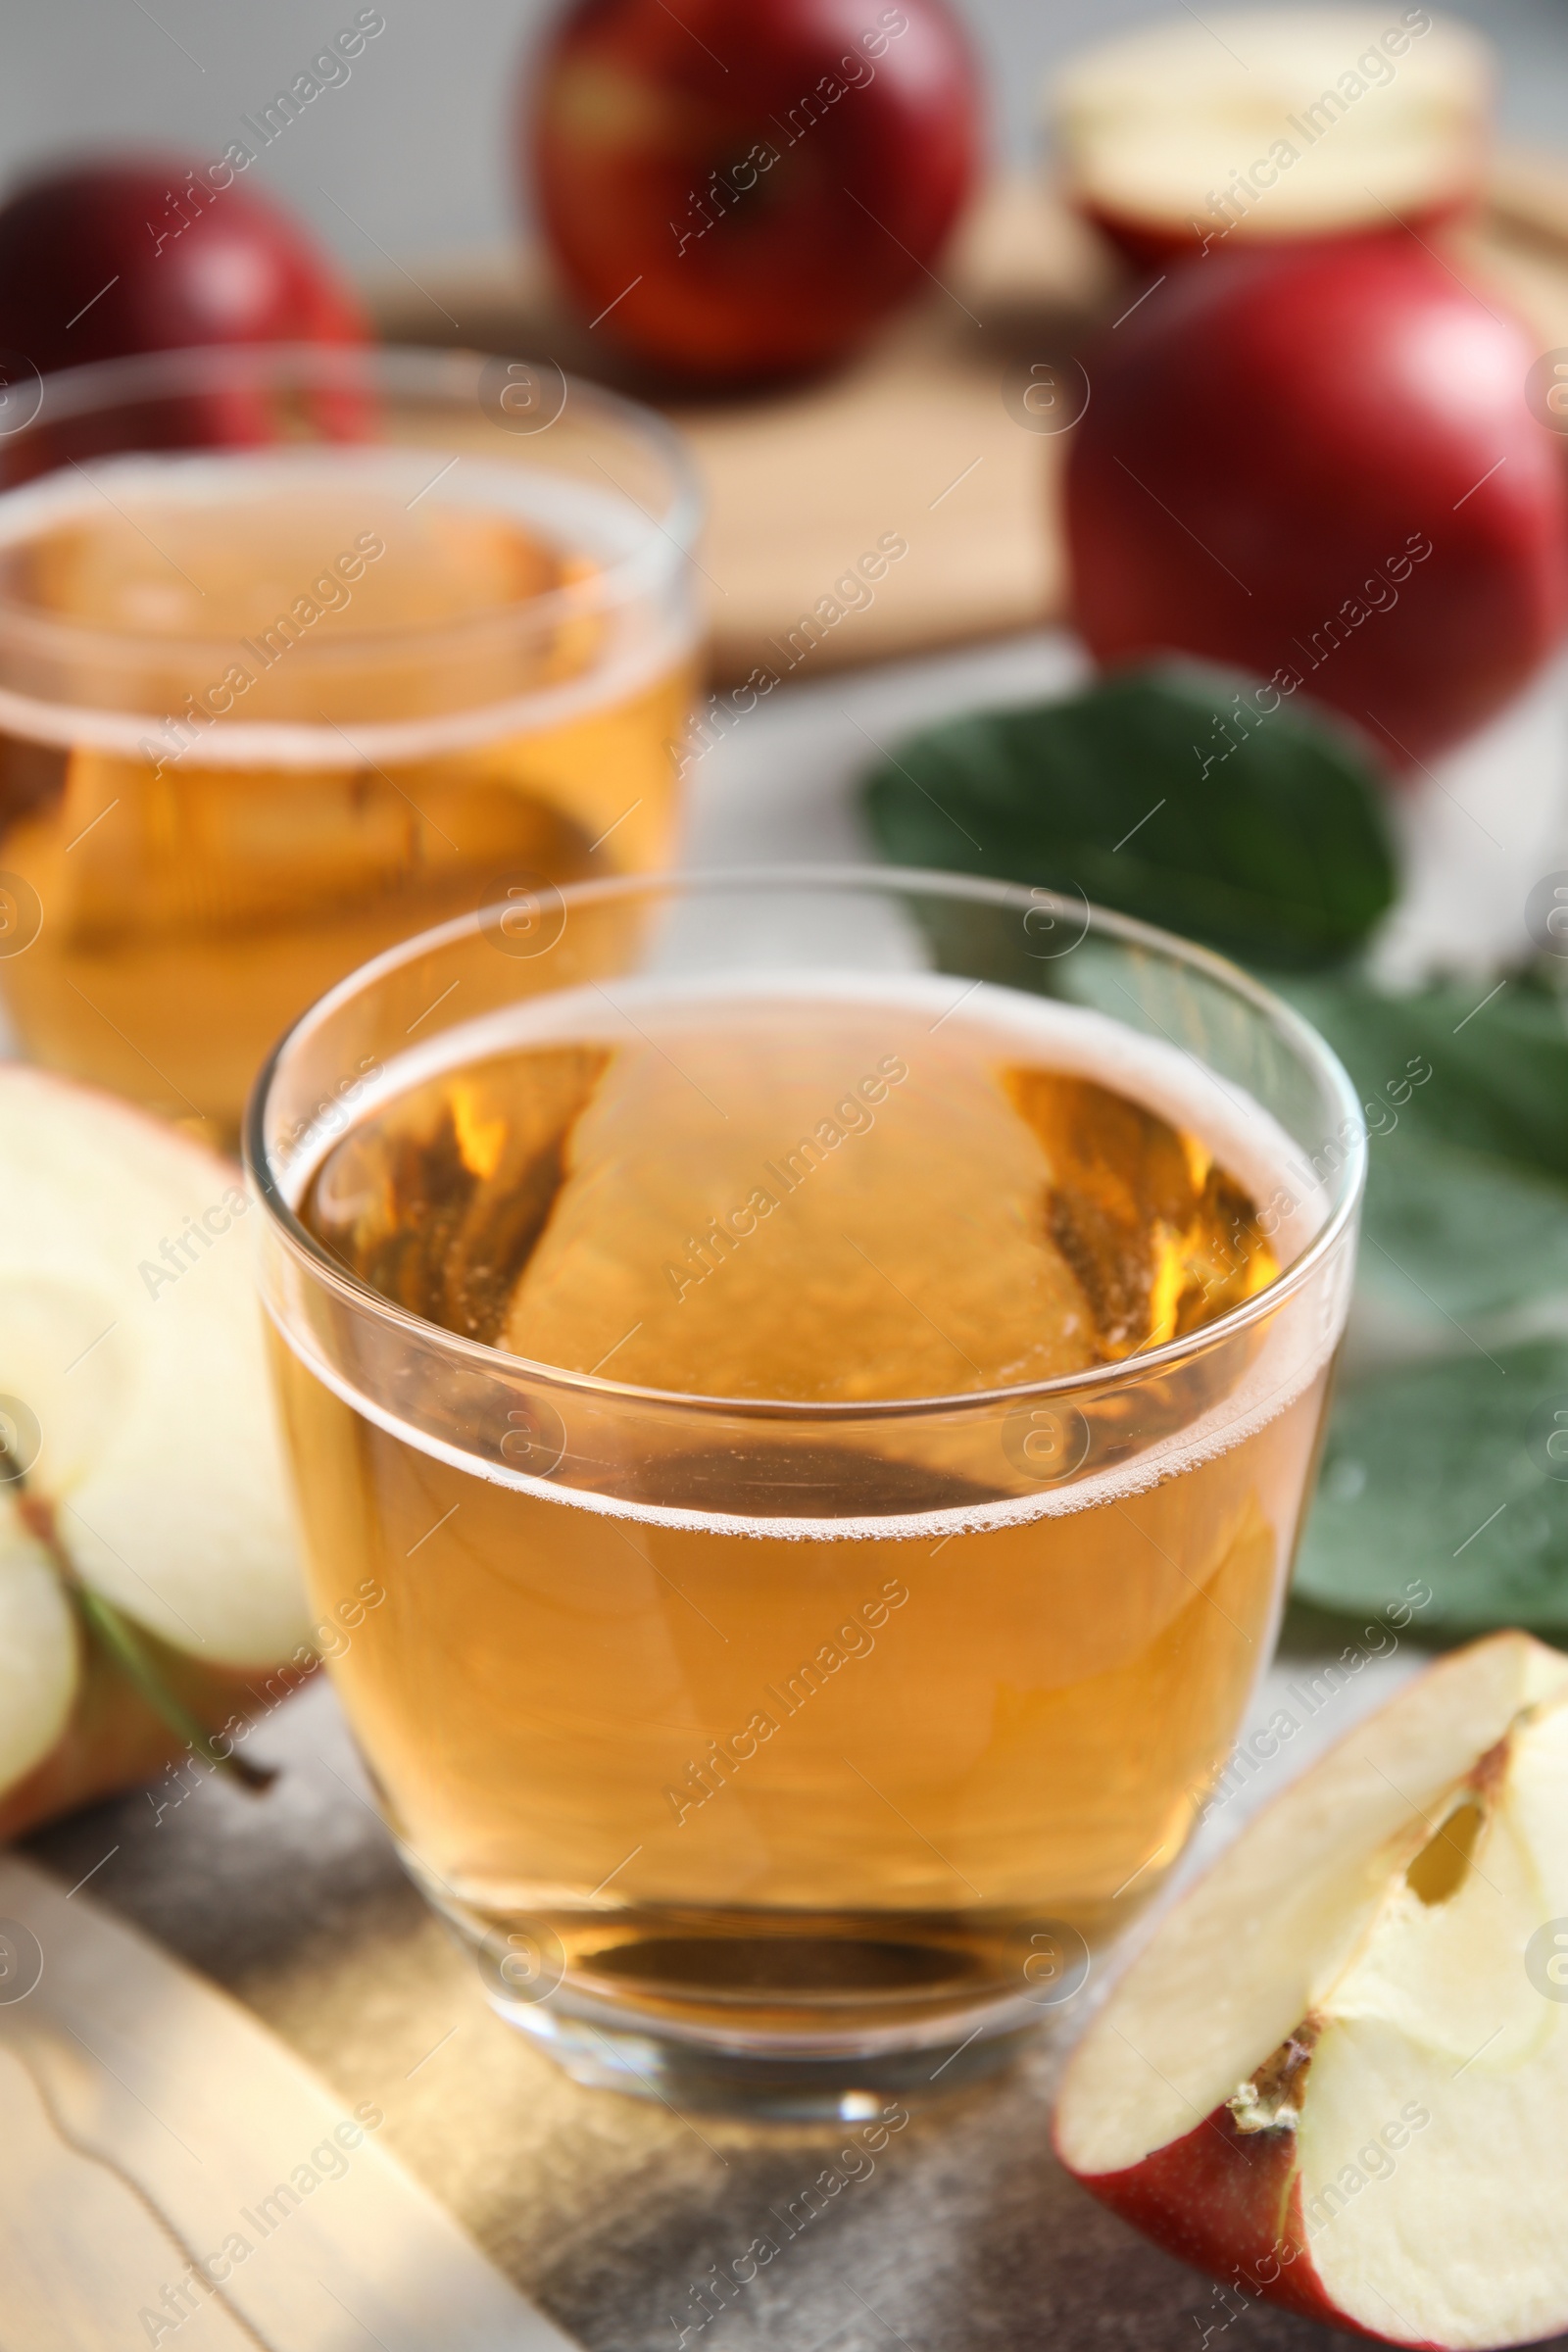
(1264, 438)
(1151, 244)
(634, 107)
(1229, 2203)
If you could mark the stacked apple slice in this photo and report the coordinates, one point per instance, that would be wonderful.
(147, 1568)
(1338, 2073)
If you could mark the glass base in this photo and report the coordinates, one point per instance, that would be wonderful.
(600, 2048)
(779, 2013)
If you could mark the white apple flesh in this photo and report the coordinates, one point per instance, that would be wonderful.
(135, 1404)
(1336, 2076)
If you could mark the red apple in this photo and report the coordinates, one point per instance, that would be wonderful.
(1318, 465)
(742, 188)
(1334, 2076)
(102, 259)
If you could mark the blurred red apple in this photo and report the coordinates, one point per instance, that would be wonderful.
(1318, 465)
(105, 260)
(102, 259)
(742, 188)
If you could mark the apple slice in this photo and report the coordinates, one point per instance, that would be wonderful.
(1337, 2075)
(142, 1502)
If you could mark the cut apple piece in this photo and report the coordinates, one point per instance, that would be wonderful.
(1277, 123)
(1337, 2075)
(136, 1431)
(38, 1657)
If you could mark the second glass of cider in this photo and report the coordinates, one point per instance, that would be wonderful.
(302, 649)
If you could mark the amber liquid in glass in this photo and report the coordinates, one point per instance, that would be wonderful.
(739, 1756)
(197, 891)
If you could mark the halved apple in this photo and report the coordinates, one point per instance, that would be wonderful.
(147, 1563)
(1265, 124)
(1336, 2076)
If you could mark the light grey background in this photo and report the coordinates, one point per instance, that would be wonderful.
(414, 148)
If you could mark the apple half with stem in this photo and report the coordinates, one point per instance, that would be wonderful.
(150, 1599)
(1337, 2075)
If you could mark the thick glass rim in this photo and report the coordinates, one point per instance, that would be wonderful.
(497, 1362)
(408, 370)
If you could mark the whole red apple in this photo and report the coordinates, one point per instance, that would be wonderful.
(102, 259)
(105, 260)
(742, 188)
(1319, 465)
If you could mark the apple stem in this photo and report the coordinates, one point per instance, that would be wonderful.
(118, 1639)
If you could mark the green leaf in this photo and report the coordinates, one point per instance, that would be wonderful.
(1468, 1233)
(1264, 836)
(1498, 1051)
(1441, 1474)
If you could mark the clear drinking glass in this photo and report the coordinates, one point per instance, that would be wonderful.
(772, 1734)
(303, 649)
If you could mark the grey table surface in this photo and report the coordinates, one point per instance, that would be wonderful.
(607, 2209)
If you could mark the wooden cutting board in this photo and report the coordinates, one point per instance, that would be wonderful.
(169, 2173)
(920, 438)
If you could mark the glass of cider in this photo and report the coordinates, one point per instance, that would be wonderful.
(303, 649)
(805, 1387)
